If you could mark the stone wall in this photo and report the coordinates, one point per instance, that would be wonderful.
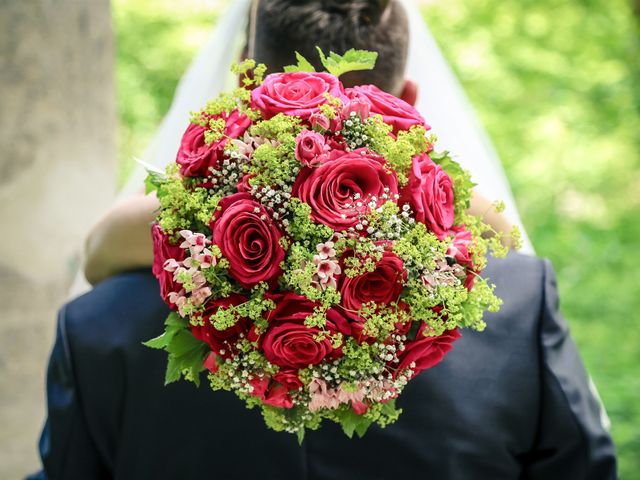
(57, 163)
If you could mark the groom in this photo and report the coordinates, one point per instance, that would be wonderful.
(513, 402)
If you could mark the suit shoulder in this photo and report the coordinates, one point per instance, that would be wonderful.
(519, 282)
(524, 273)
(117, 311)
(515, 264)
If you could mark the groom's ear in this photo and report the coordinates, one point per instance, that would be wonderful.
(409, 92)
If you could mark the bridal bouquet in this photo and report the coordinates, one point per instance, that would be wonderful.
(314, 248)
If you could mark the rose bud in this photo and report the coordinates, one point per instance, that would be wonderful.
(357, 105)
(310, 148)
(319, 122)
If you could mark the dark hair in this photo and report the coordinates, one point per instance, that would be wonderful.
(286, 26)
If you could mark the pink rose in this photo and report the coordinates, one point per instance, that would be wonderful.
(459, 248)
(309, 148)
(195, 156)
(426, 352)
(289, 343)
(383, 285)
(222, 342)
(297, 94)
(246, 235)
(397, 113)
(429, 193)
(164, 250)
(330, 188)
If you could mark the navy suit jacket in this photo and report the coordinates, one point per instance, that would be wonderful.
(512, 402)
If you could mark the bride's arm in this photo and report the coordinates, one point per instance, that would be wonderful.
(121, 240)
(482, 207)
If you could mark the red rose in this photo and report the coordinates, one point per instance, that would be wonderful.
(288, 342)
(459, 251)
(195, 156)
(383, 286)
(246, 235)
(426, 352)
(163, 250)
(295, 94)
(396, 112)
(429, 193)
(288, 378)
(211, 363)
(329, 188)
(274, 394)
(309, 148)
(359, 407)
(243, 185)
(222, 342)
(402, 328)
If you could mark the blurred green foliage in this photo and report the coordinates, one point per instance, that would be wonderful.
(557, 85)
(155, 42)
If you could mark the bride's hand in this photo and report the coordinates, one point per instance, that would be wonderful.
(121, 240)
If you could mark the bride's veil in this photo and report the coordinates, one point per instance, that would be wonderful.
(207, 76)
(446, 108)
(441, 101)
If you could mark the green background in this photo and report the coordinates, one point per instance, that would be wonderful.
(557, 85)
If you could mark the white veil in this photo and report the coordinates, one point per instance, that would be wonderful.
(441, 101)
(444, 105)
(206, 77)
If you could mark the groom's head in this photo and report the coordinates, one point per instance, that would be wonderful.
(279, 28)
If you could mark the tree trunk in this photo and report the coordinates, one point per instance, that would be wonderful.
(57, 164)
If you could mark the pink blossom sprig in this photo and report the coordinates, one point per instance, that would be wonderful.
(188, 273)
(327, 266)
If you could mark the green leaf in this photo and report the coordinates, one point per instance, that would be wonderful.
(173, 371)
(352, 422)
(155, 176)
(389, 409)
(187, 364)
(186, 353)
(159, 342)
(363, 426)
(300, 435)
(303, 65)
(153, 181)
(175, 319)
(173, 324)
(182, 342)
(191, 363)
(351, 61)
